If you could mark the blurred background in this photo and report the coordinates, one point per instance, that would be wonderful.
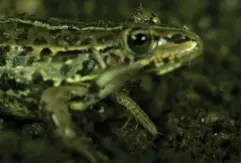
(197, 107)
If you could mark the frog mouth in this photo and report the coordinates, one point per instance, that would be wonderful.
(173, 57)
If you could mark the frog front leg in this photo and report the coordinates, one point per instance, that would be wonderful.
(55, 105)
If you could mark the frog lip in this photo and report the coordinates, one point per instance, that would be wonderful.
(166, 61)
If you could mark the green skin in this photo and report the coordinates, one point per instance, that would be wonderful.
(51, 67)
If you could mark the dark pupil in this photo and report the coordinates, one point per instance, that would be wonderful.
(139, 39)
(139, 43)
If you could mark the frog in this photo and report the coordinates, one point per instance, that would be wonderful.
(51, 67)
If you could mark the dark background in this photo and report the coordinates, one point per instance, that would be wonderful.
(197, 107)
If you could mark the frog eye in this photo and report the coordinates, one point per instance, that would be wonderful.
(178, 38)
(139, 41)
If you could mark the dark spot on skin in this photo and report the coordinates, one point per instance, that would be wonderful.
(10, 84)
(49, 83)
(45, 51)
(165, 60)
(30, 60)
(156, 38)
(127, 61)
(40, 40)
(72, 52)
(88, 67)
(36, 78)
(94, 87)
(62, 56)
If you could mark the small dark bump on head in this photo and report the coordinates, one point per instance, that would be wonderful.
(40, 40)
(141, 15)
